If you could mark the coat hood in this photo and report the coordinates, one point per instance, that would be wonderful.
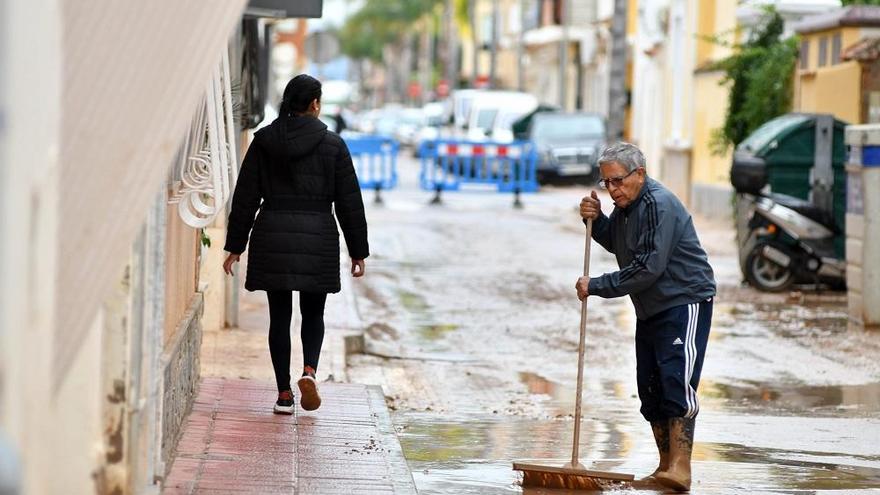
(293, 136)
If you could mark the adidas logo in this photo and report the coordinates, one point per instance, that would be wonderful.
(678, 341)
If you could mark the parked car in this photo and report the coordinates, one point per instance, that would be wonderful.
(432, 126)
(568, 145)
(410, 121)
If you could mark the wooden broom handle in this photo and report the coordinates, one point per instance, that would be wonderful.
(581, 348)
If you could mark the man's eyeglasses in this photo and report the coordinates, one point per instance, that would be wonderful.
(615, 181)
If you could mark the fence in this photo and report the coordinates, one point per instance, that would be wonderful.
(449, 165)
(375, 161)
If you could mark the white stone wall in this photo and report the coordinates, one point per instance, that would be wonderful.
(863, 227)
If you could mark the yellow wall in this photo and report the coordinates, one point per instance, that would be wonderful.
(714, 18)
(833, 89)
(709, 109)
(632, 17)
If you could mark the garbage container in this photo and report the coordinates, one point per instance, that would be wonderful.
(784, 154)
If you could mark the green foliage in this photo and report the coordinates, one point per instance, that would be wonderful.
(205, 238)
(860, 2)
(760, 75)
(380, 23)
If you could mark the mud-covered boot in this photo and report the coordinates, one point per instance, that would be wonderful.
(681, 444)
(661, 437)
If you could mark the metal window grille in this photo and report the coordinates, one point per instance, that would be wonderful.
(206, 164)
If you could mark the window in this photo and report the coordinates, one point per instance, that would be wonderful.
(805, 55)
(835, 49)
(874, 107)
(823, 51)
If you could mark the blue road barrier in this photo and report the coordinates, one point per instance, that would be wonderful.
(375, 161)
(449, 164)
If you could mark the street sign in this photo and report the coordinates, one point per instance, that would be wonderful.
(322, 47)
(442, 88)
(414, 90)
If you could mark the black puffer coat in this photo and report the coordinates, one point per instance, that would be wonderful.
(292, 172)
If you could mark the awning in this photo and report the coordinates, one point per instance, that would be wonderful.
(285, 8)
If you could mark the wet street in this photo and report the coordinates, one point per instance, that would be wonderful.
(472, 332)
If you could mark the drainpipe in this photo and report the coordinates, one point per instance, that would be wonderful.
(520, 48)
(493, 55)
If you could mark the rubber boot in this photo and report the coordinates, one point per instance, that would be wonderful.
(661, 437)
(681, 444)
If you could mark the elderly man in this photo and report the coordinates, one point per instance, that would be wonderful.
(667, 275)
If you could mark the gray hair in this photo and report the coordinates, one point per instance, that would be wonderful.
(626, 154)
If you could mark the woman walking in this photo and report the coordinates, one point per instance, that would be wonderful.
(294, 170)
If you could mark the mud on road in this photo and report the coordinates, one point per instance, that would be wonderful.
(472, 332)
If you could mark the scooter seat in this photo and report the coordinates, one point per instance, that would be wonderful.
(807, 209)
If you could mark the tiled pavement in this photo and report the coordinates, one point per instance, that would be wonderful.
(233, 443)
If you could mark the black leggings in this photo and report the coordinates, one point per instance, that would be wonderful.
(311, 307)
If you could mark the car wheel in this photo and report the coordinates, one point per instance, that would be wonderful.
(765, 274)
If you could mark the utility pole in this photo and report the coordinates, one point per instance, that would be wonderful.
(427, 58)
(563, 55)
(472, 15)
(520, 48)
(493, 58)
(617, 76)
(451, 46)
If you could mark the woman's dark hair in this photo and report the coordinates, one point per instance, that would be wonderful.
(299, 93)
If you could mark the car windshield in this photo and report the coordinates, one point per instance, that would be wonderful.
(567, 127)
(486, 117)
(767, 132)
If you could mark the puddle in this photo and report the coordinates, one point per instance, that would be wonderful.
(799, 470)
(412, 301)
(857, 398)
(435, 331)
(475, 457)
(451, 455)
(537, 384)
(789, 321)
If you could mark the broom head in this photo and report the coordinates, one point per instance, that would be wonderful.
(538, 476)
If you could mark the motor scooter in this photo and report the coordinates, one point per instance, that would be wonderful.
(790, 241)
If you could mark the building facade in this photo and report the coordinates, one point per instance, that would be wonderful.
(101, 300)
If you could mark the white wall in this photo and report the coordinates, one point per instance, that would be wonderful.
(31, 93)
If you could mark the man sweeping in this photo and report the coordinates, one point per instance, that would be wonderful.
(667, 275)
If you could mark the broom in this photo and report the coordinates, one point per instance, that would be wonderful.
(573, 475)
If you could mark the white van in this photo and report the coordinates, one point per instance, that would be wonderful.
(462, 100)
(493, 113)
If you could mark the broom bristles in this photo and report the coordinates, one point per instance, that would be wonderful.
(541, 479)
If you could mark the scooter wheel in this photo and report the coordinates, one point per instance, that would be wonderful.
(765, 274)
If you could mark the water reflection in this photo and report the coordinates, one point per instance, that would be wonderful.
(855, 398)
(537, 384)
